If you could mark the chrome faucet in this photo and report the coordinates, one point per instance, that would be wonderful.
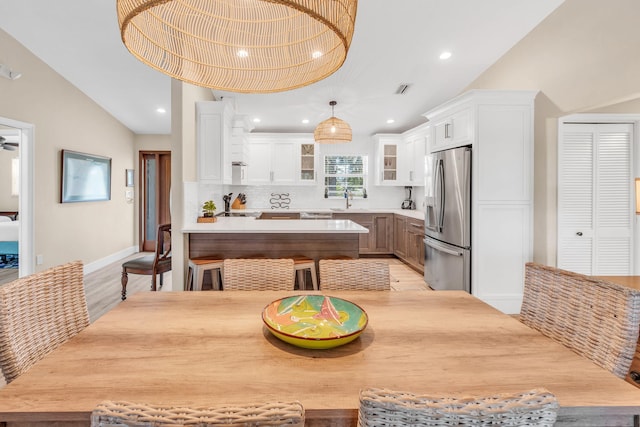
(348, 195)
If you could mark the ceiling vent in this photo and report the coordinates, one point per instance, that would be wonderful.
(402, 89)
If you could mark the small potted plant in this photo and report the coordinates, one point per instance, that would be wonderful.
(208, 208)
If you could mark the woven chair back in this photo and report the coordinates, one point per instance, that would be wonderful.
(38, 313)
(354, 275)
(381, 407)
(110, 413)
(597, 319)
(261, 274)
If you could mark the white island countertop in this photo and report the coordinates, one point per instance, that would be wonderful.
(253, 225)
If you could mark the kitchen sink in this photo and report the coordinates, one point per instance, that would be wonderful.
(245, 214)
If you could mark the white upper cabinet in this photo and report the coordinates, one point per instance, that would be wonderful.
(214, 121)
(388, 159)
(454, 130)
(400, 157)
(281, 159)
(308, 163)
(415, 149)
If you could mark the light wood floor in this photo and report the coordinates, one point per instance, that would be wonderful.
(8, 275)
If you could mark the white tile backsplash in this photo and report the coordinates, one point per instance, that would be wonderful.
(302, 197)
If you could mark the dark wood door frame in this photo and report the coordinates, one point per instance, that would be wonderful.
(162, 189)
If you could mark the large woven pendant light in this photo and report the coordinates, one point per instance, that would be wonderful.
(333, 130)
(256, 46)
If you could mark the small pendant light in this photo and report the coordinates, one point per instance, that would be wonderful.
(333, 130)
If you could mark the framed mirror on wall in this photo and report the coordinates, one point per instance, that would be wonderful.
(85, 177)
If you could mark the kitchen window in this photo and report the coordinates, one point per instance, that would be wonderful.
(342, 173)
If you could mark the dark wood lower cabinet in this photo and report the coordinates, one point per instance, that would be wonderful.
(379, 240)
(409, 241)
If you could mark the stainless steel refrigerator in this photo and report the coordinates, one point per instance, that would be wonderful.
(448, 219)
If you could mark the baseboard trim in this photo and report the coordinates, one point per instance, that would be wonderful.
(103, 262)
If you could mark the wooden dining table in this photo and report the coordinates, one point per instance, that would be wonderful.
(212, 348)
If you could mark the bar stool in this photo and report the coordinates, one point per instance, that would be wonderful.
(301, 264)
(197, 267)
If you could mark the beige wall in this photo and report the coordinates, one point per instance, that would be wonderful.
(64, 118)
(583, 57)
(7, 201)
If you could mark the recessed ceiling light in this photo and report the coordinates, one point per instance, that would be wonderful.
(305, 121)
(445, 55)
(242, 53)
(160, 110)
(256, 120)
(389, 121)
(317, 54)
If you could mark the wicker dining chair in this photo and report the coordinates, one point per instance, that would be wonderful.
(38, 313)
(354, 275)
(595, 318)
(258, 274)
(383, 407)
(153, 265)
(112, 413)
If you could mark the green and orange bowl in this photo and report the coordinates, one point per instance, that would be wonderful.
(315, 321)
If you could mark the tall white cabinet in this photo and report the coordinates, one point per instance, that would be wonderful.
(595, 198)
(213, 132)
(499, 127)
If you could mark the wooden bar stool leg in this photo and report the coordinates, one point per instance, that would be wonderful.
(302, 279)
(188, 285)
(314, 277)
(199, 274)
(214, 279)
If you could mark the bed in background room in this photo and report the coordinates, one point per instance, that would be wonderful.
(8, 242)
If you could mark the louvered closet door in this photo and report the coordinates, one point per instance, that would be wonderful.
(595, 213)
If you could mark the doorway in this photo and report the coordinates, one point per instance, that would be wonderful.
(155, 179)
(24, 132)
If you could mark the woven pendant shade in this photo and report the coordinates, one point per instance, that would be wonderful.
(250, 46)
(333, 130)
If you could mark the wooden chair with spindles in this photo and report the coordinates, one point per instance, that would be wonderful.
(383, 407)
(129, 414)
(150, 265)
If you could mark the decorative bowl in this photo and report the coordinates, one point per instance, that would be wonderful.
(315, 321)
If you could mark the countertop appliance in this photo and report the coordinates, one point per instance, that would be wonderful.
(408, 202)
(448, 219)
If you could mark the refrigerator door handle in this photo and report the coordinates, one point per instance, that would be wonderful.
(440, 185)
(436, 246)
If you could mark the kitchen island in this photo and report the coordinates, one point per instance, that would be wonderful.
(246, 237)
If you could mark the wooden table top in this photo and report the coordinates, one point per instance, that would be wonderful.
(628, 281)
(211, 348)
